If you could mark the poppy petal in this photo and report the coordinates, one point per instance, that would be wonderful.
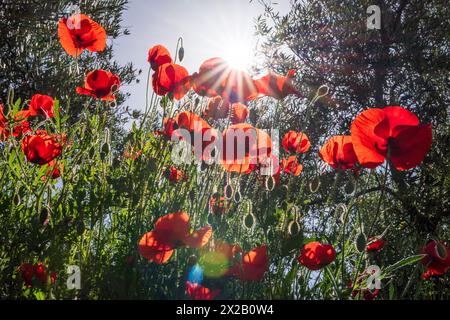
(410, 146)
(172, 228)
(153, 249)
(370, 147)
(199, 238)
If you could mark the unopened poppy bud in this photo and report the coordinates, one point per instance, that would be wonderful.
(80, 227)
(105, 150)
(181, 53)
(44, 217)
(441, 251)
(361, 242)
(92, 153)
(192, 260)
(349, 187)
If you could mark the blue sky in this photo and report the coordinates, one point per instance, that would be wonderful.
(209, 28)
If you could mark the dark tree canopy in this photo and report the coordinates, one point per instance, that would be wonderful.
(32, 59)
(405, 62)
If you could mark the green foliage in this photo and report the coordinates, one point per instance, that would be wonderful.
(113, 188)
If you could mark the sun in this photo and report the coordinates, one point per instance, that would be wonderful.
(238, 53)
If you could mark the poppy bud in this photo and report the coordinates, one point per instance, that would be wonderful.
(44, 217)
(360, 242)
(249, 221)
(441, 250)
(314, 185)
(294, 228)
(92, 153)
(192, 260)
(181, 53)
(80, 227)
(228, 192)
(105, 150)
(349, 187)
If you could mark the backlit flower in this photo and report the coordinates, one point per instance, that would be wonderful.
(171, 78)
(296, 142)
(243, 147)
(375, 244)
(174, 175)
(436, 262)
(394, 133)
(41, 148)
(276, 86)
(253, 265)
(315, 255)
(158, 55)
(171, 231)
(239, 113)
(80, 32)
(100, 84)
(217, 108)
(41, 105)
(196, 291)
(291, 166)
(338, 153)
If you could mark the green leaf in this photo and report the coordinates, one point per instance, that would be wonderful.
(403, 263)
(57, 115)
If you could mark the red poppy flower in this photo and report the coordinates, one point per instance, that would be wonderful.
(211, 79)
(217, 108)
(437, 263)
(132, 154)
(375, 244)
(216, 78)
(22, 115)
(291, 166)
(315, 255)
(276, 86)
(174, 175)
(36, 271)
(394, 131)
(239, 113)
(41, 148)
(198, 128)
(243, 147)
(253, 265)
(2, 115)
(171, 231)
(80, 32)
(170, 125)
(338, 153)
(41, 105)
(296, 142)
(100, 84)
(157, 56)
(53, 277)
(21, 128)
(217, 204)
(196, 291)
(40, 273)
(171, 78)
(27, 271)
(4, 133)
(191, 122)
(239, 87)
(229, 251)
(54, 170)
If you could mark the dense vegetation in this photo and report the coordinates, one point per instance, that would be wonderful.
(142, 224)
